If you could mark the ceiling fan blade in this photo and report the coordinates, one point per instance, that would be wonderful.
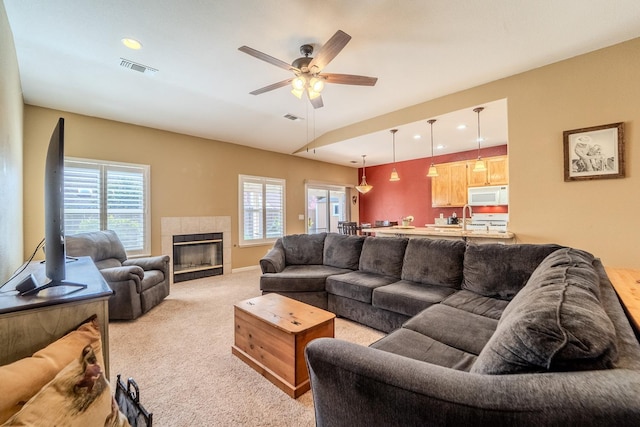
(349, 79)
(271, 87)
(267, 58)
(317, 102)
(329, 51)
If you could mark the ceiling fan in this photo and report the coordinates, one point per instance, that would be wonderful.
(308, 76)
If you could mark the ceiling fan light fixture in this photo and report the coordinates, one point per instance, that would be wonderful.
(297, 92)
(363, 188)
(313, 94)
(299, 83)
(316, 84)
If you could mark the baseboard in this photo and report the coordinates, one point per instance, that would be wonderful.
(251, 267)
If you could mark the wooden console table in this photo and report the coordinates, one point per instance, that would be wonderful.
(29, 323)
(625, 282)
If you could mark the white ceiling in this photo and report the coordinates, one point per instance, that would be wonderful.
(69, 58)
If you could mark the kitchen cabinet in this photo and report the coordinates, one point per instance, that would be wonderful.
(497, 172)
(449, 188)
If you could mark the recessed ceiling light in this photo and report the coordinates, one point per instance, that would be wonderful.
(461, 127)
(439, 147)
(132, 43)
(417, 136)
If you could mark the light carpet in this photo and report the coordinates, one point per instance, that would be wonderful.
(179, 353)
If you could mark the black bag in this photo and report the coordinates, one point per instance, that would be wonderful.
(128, 398)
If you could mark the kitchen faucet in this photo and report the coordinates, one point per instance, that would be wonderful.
(464, 216)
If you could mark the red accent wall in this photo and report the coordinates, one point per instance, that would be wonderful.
(412, 194)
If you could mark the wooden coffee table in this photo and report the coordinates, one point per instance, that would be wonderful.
(271, 332)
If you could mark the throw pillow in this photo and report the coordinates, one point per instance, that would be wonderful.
(22, 379)
(78, 396)
(500, 271)
(556, 323)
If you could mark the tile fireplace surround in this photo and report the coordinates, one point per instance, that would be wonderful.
(171, 226)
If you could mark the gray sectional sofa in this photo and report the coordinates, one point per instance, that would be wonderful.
(478, 334)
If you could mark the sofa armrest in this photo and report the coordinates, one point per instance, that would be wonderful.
(354, 386)
(274, 260)
(123, 274)
(160, 262)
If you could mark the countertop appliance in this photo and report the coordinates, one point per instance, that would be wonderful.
(489, 222)
(491, 195)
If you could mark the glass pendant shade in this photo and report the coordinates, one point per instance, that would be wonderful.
(479, 166)
(363, 187)
(394, 175)
(433, 172)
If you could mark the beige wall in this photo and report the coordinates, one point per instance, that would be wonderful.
(594, 89)
(189, 176)
(11, 237)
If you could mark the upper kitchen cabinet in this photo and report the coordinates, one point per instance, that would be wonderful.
(497, 172)
(449, 188)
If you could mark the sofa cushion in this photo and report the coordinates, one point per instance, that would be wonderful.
(556, 323)
(299, 278)
(99, 245)
(454, 327)
(407, 297)
(383, 255)
(356, 285)
(343, 251)
(477, 304)
(414, 345)
(500, 271)
(302, 249)
(434, 262)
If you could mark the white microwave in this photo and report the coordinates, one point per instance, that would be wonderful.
(492, 195)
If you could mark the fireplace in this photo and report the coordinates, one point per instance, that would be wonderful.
(197, 255)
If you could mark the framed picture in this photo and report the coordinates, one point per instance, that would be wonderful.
(594, 153)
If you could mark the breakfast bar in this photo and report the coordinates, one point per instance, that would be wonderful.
(449, 233)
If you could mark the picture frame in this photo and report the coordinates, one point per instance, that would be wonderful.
(594, 153)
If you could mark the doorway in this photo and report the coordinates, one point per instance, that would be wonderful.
(326, 205)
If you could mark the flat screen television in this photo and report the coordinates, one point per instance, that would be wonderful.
(54, 247)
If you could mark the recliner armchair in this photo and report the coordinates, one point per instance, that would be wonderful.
(139, 284)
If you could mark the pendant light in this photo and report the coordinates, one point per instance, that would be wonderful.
(432, 169)
(394, 173)
(363, 187)
(479, 166)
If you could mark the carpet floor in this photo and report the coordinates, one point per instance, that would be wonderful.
(179, 353)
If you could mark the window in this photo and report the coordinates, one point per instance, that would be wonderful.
(261, 209)
(108, 196)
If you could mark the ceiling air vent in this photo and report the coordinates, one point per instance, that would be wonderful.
(137, 67)
(292, 117)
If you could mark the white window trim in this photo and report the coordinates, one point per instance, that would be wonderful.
(146, 250)
(265, 241)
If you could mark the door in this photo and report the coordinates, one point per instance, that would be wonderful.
(326, 205)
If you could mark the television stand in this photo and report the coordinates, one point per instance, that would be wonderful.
(29, 323)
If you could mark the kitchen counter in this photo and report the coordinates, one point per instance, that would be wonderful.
(436, 232)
